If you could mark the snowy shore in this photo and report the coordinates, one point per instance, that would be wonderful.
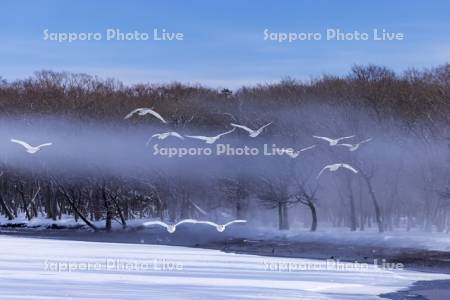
(33, 268)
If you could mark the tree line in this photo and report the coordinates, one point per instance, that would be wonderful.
(403, 180)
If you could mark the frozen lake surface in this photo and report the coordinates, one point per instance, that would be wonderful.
(33, 268)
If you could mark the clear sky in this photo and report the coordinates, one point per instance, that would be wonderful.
(223, 43)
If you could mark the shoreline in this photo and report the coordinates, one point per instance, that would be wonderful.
(412, 258)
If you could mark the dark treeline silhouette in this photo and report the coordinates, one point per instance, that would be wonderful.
(403, 179)
(411, 97)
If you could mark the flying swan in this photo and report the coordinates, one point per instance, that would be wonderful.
(144, 111)
(210, 139)
(221, 227)
(252, 133)
(30, 149)
(169, 227)
(162, 136)
(335, 167)
(354, 147)
(332, 142)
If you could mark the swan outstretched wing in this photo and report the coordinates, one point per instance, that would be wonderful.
(323, 138)
(190, 221)
(224, 133)
(365, 141)
(198, 137)
(346, 145)
(131, 113)
(234, 221)
(264, 126)
(208, 223)
(307, 148)
(347, 166)
(157, 115)
(323, 169)
(344, 137)
(156, 135)
(242, 127)
(22, 143)
(176, 134)
(151, 223)
(44, 145)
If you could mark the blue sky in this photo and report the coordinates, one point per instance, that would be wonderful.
(223, 43)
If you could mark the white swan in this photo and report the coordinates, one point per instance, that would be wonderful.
(162, 136)
(354, 147)
(221, 227)
(170, 227)
(252, 133)
(335, 167)
(30, 149)
(210, 139)
(332, 142)
(144, 111)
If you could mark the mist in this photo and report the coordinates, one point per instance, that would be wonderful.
(102, 167)
(402, 167)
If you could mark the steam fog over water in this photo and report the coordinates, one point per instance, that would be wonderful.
(120, 148)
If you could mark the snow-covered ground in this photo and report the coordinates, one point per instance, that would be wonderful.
(32, 268)
(41, 222)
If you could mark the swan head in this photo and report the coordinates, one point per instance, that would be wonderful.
(220, 228)
(171, 228)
